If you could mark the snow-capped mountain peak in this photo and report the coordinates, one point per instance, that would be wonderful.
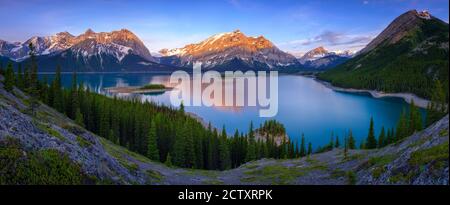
(321, 52)
(223, 48)
(315, 53)
(116, 43)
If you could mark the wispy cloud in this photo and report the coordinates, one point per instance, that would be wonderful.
(330, 39)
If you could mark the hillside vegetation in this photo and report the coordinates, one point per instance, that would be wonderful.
(412, 64)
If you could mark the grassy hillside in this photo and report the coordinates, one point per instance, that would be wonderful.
(409, 65)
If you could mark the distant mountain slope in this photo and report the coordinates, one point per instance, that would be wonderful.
(325, 63)
(322, 59)
(408, 56)
(52, 149)
(230, 51)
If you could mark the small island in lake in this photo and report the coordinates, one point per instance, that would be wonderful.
(150, 88)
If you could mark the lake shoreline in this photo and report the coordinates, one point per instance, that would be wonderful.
(135, 90)
(407, 97)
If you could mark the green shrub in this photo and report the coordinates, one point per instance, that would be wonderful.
(43, 167)
(351, 178)
(83, 142)
(434, 154)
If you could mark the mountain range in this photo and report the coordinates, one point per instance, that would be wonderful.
(414, 37)
(90, 51)
(124, 51)
(230, 50)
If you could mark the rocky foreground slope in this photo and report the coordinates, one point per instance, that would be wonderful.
(32, 146)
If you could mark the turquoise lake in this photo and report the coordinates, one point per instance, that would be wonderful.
(305, 106)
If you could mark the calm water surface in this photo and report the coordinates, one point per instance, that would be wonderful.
(305, 106)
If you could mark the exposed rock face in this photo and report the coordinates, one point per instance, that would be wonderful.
(398, 29)
(415, 160)
(222, 48)
(278, 139)
(116, 43)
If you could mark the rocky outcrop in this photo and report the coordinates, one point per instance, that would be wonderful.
(278, 139)
(418, 160)
(37, 134)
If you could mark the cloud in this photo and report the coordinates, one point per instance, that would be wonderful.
(330, 39)
(235, 3)
(365, 2)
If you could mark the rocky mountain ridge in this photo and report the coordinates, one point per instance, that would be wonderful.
(221, 49)
(398, 29)
(118, 43)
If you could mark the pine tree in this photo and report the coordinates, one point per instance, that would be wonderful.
(72, 105)
(415, 118)
(44, 90)
(362, 145)
(189, 155)
(9, 78)
(182, 107)
(57, 98)
(309, 148)
(402, 127)
(331, 144)
(302, 146)
(152, 144)
(345, 147)
(79, 120)
(104, 120)
(337, 144)
(391, 137)
(168, 161)
(438, 106)
(351, 140)
(382, 138)
(224, 152)
(210, 156)
(371, 140)
(179, 147)
(32, 90)
(20, 77)
(251, 149)
(26, 77)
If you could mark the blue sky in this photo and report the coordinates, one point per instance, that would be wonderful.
(293, 25)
